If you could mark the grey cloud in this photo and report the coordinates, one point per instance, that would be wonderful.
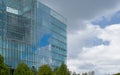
(87, 66)
(80, 10)
(77, 12)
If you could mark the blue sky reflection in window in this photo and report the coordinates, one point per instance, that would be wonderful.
(45, 40)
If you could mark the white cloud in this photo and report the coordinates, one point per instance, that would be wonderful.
(79, 11)
(83, 54)
(82, 38)
(104, 58)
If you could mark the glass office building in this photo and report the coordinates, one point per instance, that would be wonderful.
(32, 33)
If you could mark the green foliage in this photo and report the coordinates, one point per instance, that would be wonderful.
(1, 59)
(69, 73)
(34, 70)
(74, 73)
(45, 70)
(117, 74)
(4, 70)
(56, 71)
(23, 69)
(84, 74)
(63, 70)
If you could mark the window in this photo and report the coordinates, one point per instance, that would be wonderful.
(12, 10)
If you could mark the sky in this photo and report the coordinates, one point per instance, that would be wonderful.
(93, 34)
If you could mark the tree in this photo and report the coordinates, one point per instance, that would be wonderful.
(45, 70)
(23, 69)
(84, 74)
(56, 71)
(34, 70)
(117, 74)
(69, 73)
(74, 73)
(91, 73)
(4, 70)
(63, 70)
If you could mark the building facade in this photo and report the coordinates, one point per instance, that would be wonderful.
(32, 33)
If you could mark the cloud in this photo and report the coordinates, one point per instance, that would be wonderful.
(105, 21)
(82, 38)
(90, 47)
(78, 12)
(104, 59)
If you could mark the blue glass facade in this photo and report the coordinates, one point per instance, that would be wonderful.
(31, 32)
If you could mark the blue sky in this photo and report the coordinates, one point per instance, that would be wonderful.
(114, 19)
(93, 34)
